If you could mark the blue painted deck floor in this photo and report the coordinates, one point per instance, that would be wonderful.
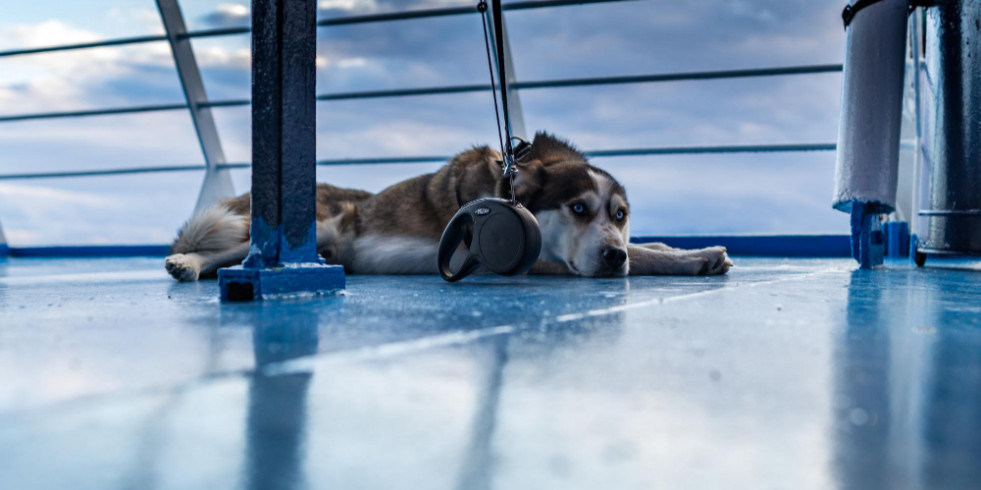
(784, 374)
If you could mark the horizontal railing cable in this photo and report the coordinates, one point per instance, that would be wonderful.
(624, 152)
(346, 20)
(410, 15)
(94, 112)
(455, 89)
(101, 173)
(89, 45)
(701, 150)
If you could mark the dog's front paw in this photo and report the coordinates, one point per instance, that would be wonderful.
(717, 261)
(691, 265)
(183, 267)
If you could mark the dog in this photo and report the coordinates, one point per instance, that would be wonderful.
(582, 210)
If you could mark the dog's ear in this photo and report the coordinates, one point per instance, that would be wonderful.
(549, 149)
(529, 181)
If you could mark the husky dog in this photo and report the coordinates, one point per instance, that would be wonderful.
(582, 210)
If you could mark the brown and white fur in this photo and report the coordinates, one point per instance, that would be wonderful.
(583, 213)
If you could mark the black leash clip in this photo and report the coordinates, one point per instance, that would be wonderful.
(506, 239)
(522, 150)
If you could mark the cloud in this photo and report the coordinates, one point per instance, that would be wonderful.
(348, 6)
(104, 210)
(329, 8)
(85, 78)
(147, 18)
(47, 33)
(218, 56)
(236, 14)
(228, 15)
(46, 204)
(52, 197)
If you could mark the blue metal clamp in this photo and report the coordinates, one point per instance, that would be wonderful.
(868, 241)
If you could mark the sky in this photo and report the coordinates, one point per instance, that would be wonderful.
(747, 193)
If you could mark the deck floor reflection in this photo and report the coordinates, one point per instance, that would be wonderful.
(783, 374)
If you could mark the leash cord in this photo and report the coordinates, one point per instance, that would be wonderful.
(499, 40)
(507, 151)
(484, 19)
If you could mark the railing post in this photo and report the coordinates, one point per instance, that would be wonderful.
(217, 183)
(514, 101)
(283, 256)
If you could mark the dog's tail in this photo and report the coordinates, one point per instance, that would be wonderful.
(212, 230)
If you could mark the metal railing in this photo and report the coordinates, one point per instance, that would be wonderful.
(197, 100)
(456, 89)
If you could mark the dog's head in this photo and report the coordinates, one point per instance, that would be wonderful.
(583, 211)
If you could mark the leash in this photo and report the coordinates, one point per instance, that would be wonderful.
(510, 153)
(505, 237)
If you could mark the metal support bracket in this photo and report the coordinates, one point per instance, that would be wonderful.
(283, 256)
(217, 183)
(868, 241)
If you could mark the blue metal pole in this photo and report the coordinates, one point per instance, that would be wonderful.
(283, 134)
(283, 257)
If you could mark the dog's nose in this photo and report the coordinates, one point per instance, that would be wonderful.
(614, 257)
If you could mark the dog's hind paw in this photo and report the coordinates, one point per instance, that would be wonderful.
(183, 267)
(717, 261)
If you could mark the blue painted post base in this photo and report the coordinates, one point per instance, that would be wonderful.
(897, 239)
(247, 284)
(868, 241)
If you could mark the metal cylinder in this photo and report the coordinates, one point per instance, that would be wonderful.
(871, 110)
(953, 52)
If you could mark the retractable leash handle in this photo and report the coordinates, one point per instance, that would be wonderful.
(506, 239)
(453, 235)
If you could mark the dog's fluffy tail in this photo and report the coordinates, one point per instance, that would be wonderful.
(212, 230)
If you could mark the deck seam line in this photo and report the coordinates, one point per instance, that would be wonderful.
(681, 297)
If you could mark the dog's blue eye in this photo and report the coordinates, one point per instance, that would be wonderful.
(578, 208)
(621, 215)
